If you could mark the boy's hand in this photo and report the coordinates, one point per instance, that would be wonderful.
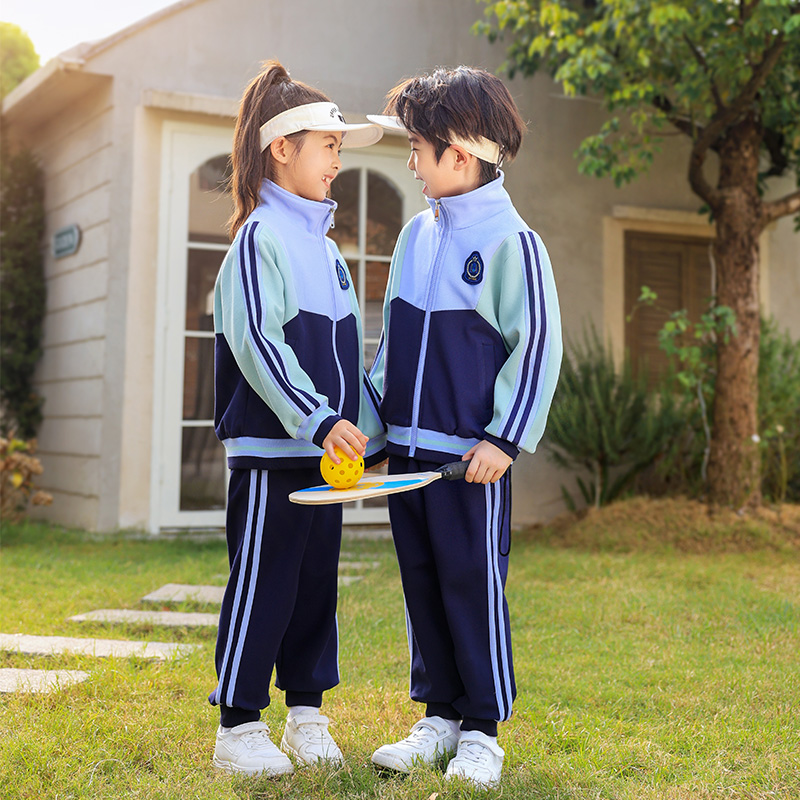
(348, 438)
(489, 463)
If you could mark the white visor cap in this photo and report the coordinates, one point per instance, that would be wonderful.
(319, 117)
(480, 147)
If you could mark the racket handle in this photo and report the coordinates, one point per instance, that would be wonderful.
(455, 471)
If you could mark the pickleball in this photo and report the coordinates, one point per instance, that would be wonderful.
(343, 475)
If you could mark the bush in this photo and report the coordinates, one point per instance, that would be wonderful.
(607, 422)
(22, 291)
(18, 468)
(779, 413)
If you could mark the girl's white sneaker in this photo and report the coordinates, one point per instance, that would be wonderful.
(306, 738)
(247, 749)
(479, 760)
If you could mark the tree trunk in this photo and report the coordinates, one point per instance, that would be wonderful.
(734, 469)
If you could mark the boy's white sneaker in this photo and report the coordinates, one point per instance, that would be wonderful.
(306, 738)
(430, 738)
(248, 749)
(479, 760)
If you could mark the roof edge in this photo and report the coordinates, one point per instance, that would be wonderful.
(97, 46)
(34, 81)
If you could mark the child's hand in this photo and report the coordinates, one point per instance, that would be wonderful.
(489, 463)
(348, 438)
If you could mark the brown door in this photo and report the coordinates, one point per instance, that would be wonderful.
(678, 270)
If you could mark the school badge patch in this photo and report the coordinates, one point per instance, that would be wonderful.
(342, 274)
(473, 269)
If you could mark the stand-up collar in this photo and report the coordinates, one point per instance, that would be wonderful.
(465, 210)
(314, 216)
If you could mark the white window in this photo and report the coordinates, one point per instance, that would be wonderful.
(376, 195)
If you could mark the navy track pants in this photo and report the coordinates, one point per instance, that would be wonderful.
(279, 608)
(452, 542)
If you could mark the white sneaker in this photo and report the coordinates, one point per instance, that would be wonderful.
(479, 760)
(306, 737)
(248, 749)
(430, 738)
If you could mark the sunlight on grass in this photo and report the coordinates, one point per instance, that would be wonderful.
(640, 675)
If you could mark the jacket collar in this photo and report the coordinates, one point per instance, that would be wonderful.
(465, 210)
(313, 216)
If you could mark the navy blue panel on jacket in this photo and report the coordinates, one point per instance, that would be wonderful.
(288, 360)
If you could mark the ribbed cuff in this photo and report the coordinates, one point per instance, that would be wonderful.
(230, 717)
(511, 450)
(324, 429)
(304, 699)
(487, 726)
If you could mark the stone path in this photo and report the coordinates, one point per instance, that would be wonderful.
(100, 648)
(169, 619)
(39, 680)
(44, 680)
(181, 592)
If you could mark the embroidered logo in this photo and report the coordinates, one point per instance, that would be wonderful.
(341, 273)
(473, 269)
(336, 113)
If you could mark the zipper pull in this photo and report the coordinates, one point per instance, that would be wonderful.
(436, 212)
(333, 221)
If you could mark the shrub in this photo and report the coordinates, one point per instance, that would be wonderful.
(18, 468)
(779, 413)
(606, 422)
(22, 291)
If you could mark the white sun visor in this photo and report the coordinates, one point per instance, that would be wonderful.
(319, 117)
(480, 147)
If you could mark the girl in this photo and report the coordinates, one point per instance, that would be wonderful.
(290, 382)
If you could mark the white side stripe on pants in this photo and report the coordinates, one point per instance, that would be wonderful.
(496, 613)
(251, 544)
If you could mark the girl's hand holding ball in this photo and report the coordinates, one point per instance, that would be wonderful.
(339, 468)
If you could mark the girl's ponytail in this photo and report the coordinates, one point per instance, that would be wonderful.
(268, 94)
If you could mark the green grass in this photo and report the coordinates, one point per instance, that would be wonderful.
(640, 675)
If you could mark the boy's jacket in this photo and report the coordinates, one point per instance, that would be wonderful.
(472, 330)
(288, 356)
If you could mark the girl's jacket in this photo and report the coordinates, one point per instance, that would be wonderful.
(288, 355)
(471, 347)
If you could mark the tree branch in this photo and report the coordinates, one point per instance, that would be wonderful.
(725, 117)
(701, 60)
(683, 124)
(785, 206)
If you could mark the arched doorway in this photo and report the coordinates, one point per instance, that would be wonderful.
(376, 195)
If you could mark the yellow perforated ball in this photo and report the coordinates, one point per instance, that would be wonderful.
(344, 475)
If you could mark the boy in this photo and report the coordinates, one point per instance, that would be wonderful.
(467, 366)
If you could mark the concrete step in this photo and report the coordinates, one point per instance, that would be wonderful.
(39, 681)
(101, 648)
(172, 619)
(212, 595)
(182, 592)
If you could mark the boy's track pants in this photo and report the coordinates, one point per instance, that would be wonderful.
(279, 607)
(452, 540)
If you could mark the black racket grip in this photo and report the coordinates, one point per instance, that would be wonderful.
(455, 471)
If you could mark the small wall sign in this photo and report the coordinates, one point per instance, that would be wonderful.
(66, 241)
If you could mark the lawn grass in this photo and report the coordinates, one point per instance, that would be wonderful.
(642, 673)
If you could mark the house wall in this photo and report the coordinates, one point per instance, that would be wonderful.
(98, 371)
(74, 150)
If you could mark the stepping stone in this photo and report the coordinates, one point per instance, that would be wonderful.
(180, 592)
(354, 565)
(172, 619)
(39, 681)
(346, 580)
(101, 648)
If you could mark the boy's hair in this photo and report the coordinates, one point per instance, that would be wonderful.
(268, 94)
(466, 102)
